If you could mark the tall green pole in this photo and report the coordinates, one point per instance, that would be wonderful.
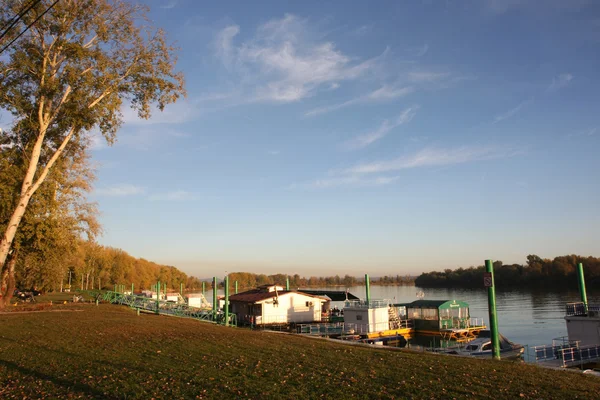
(582, 292)
(226, 300)
(215, 299)
(132, 289)
(181, 288)
(368, 289)
(157, 296)
(287, 283)
(203, 287)
(489, 268)
(115, 287)
(236, 287)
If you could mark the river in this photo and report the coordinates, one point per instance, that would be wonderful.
(527, 317)
(524, 316)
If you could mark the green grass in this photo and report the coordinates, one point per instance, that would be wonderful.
(110, 352)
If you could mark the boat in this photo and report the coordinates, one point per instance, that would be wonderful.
(482, 347)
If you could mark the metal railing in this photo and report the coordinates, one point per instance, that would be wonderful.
(564, 352)
(579, 309)
(143, 303)
(365, 304)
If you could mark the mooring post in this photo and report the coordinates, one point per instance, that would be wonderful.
(132, 289)
(157, 296)
(368, 289)
(236, 287)
(489, 268)
(214, 299)
(226, 300)
(582, 291)
(203, 287)
(287, 283)
(115, 288)
(181, 289)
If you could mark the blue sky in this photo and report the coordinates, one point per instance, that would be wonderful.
(326, 138)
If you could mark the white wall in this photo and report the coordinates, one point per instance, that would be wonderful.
(366, 320)
(291, 308)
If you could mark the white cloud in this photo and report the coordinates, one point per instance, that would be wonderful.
(170, 4)
(511, 112)
(423, 50)
(177, 195)
(432, 157)
(560, 81)
(385, 127)
(384, 93)
(587, 132)
(118, 190)
(378, 173)
(282, 63)
(274, 152)
(347, 181)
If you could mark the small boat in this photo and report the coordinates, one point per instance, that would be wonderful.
(482, 347)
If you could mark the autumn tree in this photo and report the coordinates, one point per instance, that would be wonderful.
(70, 74)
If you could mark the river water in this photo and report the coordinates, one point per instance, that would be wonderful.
(527, 317)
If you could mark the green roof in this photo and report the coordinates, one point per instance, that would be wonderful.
(334, 295)
(437, 304)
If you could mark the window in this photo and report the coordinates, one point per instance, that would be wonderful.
(359, 317)
(487, 346)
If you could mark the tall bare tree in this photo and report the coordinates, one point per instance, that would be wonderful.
(71, 73)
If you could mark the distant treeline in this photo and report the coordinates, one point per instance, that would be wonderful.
(247, 280)
(537, 272)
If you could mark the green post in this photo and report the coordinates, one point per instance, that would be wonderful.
(489, 268)
(203, 287)
(226, 300)
(132, 289)
(236, 287)
(181, 289)
(215, 299)
(287, 283)
(582, 292)
(115, 288)
(157, 296)
(368, 288)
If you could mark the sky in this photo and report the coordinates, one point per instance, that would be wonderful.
(344, 137)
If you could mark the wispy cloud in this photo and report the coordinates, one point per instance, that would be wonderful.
(587, 132)
(282, 63)
(386, 126)
(119, 190)
(383, 94)
(381, 173)
(432, 157)
(177, 195)
(423, 50)
(170, 4)
(560, 82)
(274, 152)
(347, 181)
(512, 112)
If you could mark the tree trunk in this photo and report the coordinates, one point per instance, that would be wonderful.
(8, 281)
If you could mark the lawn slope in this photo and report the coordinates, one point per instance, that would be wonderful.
(108, 351)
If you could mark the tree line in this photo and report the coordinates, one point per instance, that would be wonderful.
(248, 280)
(536, 272)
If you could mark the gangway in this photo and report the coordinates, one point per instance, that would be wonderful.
(160, 306)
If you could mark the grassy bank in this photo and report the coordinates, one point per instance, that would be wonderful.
(84, 351)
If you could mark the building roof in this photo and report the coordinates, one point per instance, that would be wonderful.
(334, 295)
(256, 295)
(437, 304)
